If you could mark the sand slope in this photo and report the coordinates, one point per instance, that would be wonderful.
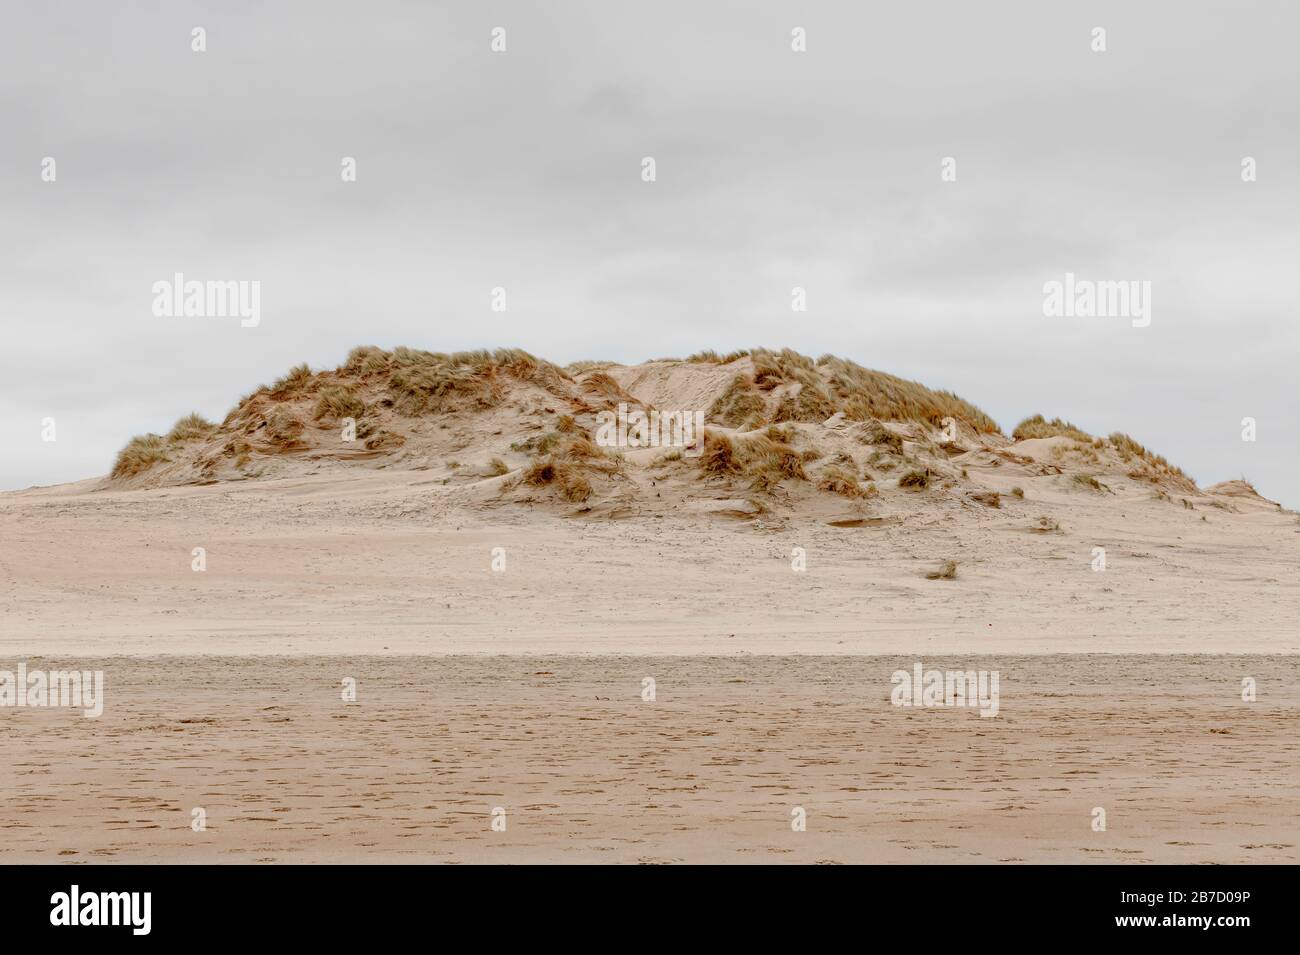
(499, 586)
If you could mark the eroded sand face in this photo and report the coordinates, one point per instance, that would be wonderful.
(710, 771)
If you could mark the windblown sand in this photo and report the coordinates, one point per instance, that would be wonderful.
(500, 584)
(587, 771)
(522, 689)
(375, 564)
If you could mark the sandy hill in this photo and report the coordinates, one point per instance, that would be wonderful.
(924, 526)
(783, 433)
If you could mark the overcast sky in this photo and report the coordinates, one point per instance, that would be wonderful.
(775, 169)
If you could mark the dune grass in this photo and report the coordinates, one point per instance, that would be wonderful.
(945, 571)
(740, 404)
(1039, 427)
(569, 465)
(190, 428)
(916, 478)
(141, 453)
(338, 401)
(839, 480)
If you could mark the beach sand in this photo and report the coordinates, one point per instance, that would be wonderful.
(499, 625)
(710, 771)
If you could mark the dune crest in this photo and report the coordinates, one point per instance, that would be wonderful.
(782, 432)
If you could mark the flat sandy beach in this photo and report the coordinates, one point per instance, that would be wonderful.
(587, 771)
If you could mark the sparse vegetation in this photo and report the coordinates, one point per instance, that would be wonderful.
(808, 402)
(782, 433)
(608, 391)
(1089, 482)
(366, 360)
(819, 389)
(573, 486)
(1018, 492)
(337, 402)
(945, 571)
(882, 461)
(586, 365)
(713, 358)
(719, 457)
(839, 480)
(283, 426)
(1040, 427)
(919, 479)
(1149, 466)
(292, 383)
(766, 462)
(190, 428)
(383, 440)
(424, 382)
(873, 432)
(740, 404)
(868, 394)
(141, 453)
(568, 465)
(878, 412)
(769, 462)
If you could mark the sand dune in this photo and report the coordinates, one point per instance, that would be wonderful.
(499, 582)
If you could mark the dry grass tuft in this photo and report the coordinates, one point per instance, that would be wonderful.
(283, 427)
(945, 571)
(873, 432)
(580, 367)
(338, 401)
(767, 462)
(568, 465)
(770, 462)
(568, 479)
(1040, 427)
(1089, 482)
(141, 453)
(719, 457)
(190, 428)
(806, 403)
(873, 394)
(424, 382)
(918, 478)
(293, 383)
(711, 357)
(366, 360)
(383, 440)
(839, 480)
(740, 404)
(1148, 465)
(606, 388)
